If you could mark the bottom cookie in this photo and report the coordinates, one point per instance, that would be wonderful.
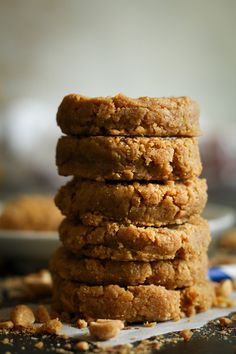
(132, 303)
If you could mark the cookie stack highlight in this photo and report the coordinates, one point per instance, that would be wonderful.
(134, 243)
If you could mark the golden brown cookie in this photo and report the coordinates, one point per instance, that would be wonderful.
(177, 273)
(121, 115)
(132, 303)
(121, 158)
(30, 212)
(138, 203)
(129, 242)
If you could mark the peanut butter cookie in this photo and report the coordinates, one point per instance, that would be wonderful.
(31, 212)
(132, 243)
(145, 204)
(121, 115)
(132, 303)
(177, 273)
(121, 158)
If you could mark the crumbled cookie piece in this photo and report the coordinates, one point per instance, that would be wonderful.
(149, 324)
(186, 334)
(6, 341)
(51, 327)
(42, 314)
(22, 316)
(224, 288)
(81, 323)
(105, 329)
(6, 325)
(82, 346)
(27, 287)
(225, 321)
(39, 345)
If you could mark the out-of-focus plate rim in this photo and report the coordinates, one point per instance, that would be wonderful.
(28, 234)
(225, 219)
(217, 224)
(37, 246)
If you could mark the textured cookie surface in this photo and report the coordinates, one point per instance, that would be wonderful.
(177, 273)
(121, 115)
(138, 203)
(132, 303)
(121, 158)
(31, 212)
(129, 242)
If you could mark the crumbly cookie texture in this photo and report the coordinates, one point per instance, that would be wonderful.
(177, 273)
(132, 303)
(121, 115)
(129, 242)
(138, 203)
(31, 212)
(121, 158)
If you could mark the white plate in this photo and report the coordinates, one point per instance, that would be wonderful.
(220, 218)
(35, 245)
(29, 245)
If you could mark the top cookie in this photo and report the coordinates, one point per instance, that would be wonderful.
(121, 115)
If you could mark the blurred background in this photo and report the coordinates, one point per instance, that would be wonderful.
(139, 47)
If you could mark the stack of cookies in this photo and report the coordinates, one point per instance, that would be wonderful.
(134, 243)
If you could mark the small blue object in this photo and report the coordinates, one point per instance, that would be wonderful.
(223, 272)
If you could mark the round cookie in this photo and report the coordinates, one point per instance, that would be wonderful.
(144, 204)
(30, 212)
(177, 273)
(132, 303)
(121, 115)
(129, 242)
(121, 158)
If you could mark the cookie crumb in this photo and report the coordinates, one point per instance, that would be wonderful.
(104, 329)
(51, 327)
(67, 346)
(224, 288)
(39, 345)
(42, 314)
(186, 334)
(22, 316)
(6, 341)
(82, 346)
(221, 301)
(149, 324)
(81, 323)
(6, 325)
(225, 321)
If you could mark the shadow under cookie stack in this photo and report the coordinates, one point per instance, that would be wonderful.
(134, 243)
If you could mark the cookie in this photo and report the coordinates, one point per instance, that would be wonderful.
(132, 303)
(121, 115)
(177, 273)
(121, 158)
(31, 212)
(138, 203)
(129, 242)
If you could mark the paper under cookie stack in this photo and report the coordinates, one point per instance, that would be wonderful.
(134, 243)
